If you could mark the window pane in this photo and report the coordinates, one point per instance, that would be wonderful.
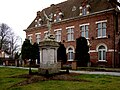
(99, 25)
(82, 28)
(84, 11)
(72, 37)
(86, 34)
(68, 38)
(38, 38)
(72, 30)
(104, 32)
(71, 56)
(57, 18)
(104, 25)
(68, 31)
(99, 32)
(104, 55)
(59, 38)
(99, 55)
(86, 27)
(82, 34)
(58, 35)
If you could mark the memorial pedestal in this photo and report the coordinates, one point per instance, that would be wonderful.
(48, 56)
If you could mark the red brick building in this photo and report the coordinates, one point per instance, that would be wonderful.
(96, 20)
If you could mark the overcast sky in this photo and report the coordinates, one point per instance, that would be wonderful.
(18, 14)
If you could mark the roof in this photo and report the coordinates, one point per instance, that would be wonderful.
(66, 9)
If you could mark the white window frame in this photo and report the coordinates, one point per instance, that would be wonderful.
(84, 31)
(101, 31)
(38, 39)
(37, 22)
(102, 52)
(58, 33)
(84, 11)
(30, 37)
(70, 34)
(45, 34)
(70, 52)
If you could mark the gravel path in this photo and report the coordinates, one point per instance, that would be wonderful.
(73, 71)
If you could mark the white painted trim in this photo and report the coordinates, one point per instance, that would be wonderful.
(45, 31)
(70, 47)
(84, 24)
(112, 50)
(37, 33)
(36, 25)
(60, 29)
(54, 14)
(80, 7)
(88, 12)
(102, 60)
(55, 20)
(101, 37)
(70, 27)
(30, 35)
(36, 20)
(59, 19)
(100, 21)
(40, 19)
(92, 51)
(100, 45)
(70, 60)
(87, 5)
(60, 13)
(80, 14)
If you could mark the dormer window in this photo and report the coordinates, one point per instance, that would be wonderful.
(38, 22)
(58, 17)
(84, 10)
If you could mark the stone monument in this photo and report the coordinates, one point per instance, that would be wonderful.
(48, 52)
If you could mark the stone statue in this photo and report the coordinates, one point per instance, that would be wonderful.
(49, 20)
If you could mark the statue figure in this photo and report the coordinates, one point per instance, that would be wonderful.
(49, 20)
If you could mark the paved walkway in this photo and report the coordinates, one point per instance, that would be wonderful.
(97, 72)
(73, 71)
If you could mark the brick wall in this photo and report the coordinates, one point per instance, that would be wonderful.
(91, 19)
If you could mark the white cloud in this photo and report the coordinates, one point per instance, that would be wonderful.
(18, 14)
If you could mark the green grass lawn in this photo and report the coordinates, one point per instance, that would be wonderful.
(97, 82)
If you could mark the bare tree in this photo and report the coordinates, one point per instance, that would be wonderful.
(8, 40)
(5, 34)
(14, 44)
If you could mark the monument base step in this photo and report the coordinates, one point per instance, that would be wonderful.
(48, 70)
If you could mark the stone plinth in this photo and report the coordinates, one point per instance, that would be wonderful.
(52, 68)
(48, 55)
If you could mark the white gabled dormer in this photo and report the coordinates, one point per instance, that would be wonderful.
(84, 9)
(58, 15)
(38, 20)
